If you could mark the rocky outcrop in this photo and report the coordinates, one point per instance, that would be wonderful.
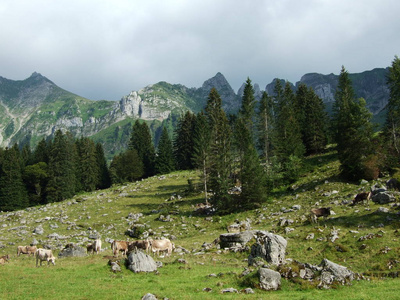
(141, 262)
(269, 279)
(268, 247)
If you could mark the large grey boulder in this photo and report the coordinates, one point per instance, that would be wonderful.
(270, 247)
(269, 279)
(72, 250)
(149, 296)
(229, 240)
(332, 272)
(383, 198)
(138, 261)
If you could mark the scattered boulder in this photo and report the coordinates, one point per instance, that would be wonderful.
(239, 226)
(269, 279)
(72, 250)
(229, 240)
(383, 198)
(38, 230)
(393, 184)
(149, 296)
(334, 273)
(138, 261)
(268, 246)
(229, 290)
(115, 267)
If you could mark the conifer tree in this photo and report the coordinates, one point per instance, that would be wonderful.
(126, 166)
(165, 162)
(183, 141)
(312, 119)
(265, 119)
(87, 166)
(62, 173)
(220, 152)
(41, 152)
(201, 149)
(392, 125)
(104, 180)
(35, 178)
(142, 142)
(13, 194)
(352, 127)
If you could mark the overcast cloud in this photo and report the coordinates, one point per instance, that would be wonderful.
(105, 49)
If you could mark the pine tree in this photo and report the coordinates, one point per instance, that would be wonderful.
(201, 149)
(126, 166)
(35, 178)
(13, 194)
(265, 119)
(312, 119)
(165, 162)
(220, 152)
(142, 142)
(41, 152)
(87, 166)
(392, 125)
(183, 141)
(62, 172)
(352, 127)
(104, 180)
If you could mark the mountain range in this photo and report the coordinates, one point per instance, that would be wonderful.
(35, 108)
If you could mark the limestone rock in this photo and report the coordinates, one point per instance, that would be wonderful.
(72, 250)
(269, 279)
(141, 262)
(270, 247)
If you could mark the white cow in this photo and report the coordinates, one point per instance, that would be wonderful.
(158, 246)
(97, 246)
(45, 255)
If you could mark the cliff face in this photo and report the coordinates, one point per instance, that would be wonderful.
(35, 108)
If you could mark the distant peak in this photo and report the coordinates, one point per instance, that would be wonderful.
(36, 74)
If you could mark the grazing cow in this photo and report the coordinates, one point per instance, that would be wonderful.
(45, 255)
(26, 250)
(118, 246)
(94, 247)
(361, 197)
(158, 246)
(139, 244)
(319, 212)
(4, 259)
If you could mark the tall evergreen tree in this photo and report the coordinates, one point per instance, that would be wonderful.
(13, 194)
(392, 125)
(126, 166)
(352, 127)
(142, 142)
(251, 173)
(312, 118)
(201, 149)
(41, 152)
(87, 166)
(183, 141)
(165, 162)
(62, 173)
(35, 178)
(104, 180)
(220, 152)
(265, 117)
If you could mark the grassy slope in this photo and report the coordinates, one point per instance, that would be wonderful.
(106, 212)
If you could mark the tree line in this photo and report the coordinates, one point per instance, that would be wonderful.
(261, 147)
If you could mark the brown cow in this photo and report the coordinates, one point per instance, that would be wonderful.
(361, 197)
(139, 244)
(158, 246)
(319, 212)
(4, 259)
(118, 246)
(26, 250)
(94, 247)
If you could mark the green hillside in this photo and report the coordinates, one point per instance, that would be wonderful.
(107, 213)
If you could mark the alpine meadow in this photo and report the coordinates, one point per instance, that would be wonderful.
(291, 192)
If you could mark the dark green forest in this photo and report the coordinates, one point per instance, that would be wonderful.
(240, 157)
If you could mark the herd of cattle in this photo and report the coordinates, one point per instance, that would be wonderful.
(155, 246)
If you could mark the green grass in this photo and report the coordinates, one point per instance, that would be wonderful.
(106, 212)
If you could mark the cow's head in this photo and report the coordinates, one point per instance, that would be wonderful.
(52, 260)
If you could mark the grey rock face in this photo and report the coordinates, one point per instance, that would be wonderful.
(72, 250)
(270, 247)
(332, 272)
(269, 279)
(383, 198)
(141, 262)
(228, 240)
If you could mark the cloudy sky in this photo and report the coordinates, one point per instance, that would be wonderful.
(105, 49)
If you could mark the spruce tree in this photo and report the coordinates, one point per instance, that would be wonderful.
(352, 128)
(104, 179)
(312, 119)
(35, 178)
(165, 162)
(62, 172)
(87, 166)
(220, 152)
(392, 125)
(201, 149)
(13, 194)
(126, 167)
(141, 141)
(265, 117)
(183, 141)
